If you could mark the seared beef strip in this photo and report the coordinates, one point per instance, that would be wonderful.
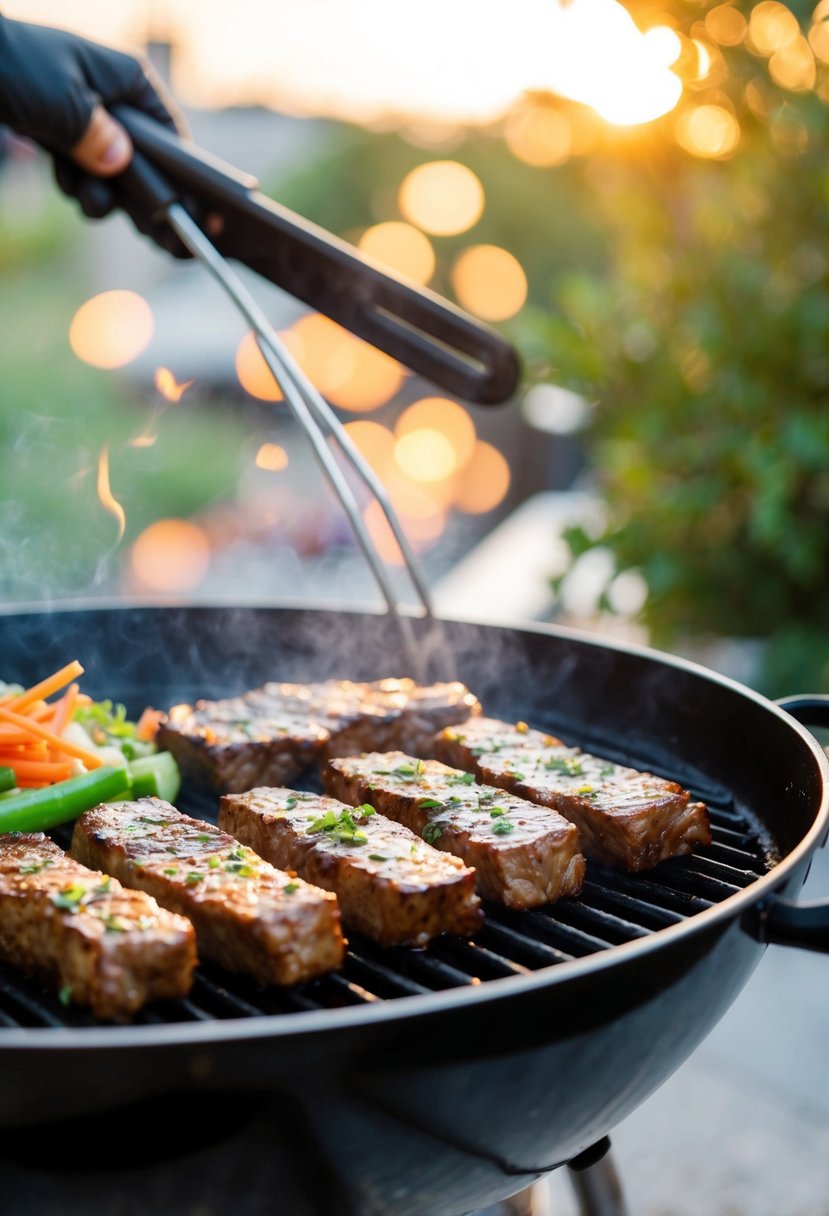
(81, 932)
(248, 916)
(523, 855)
(270, 734)
(625, 818)
(391, 885)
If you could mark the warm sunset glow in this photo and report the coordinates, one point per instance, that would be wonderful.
(489, 282)
(271, 457)
(108, 500)
(442, 197)
(771, 27)
(539, 135)
(346, 370)
(425, 455)
(111, 329)
(444, 415)
(726, 25)
(253, 373)
(402, 248)
(171, 555)
(168, 386)
(710, 131)
(793, 66)
(484, 483)
(375, 442)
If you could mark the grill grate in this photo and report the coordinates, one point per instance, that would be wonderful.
(613, 908)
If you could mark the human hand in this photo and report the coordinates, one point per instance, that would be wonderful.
(54, 89)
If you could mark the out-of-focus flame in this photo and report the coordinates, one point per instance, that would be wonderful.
(489, 282)
(108, 500)
(168, 386)
(111, 329)
(143, 441)
(271, 457)
(401, 247)
(443, 197)
(171, 555)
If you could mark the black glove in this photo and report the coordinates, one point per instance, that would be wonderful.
(50, 82)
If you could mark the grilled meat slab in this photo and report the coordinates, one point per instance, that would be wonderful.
(523, 855)
(81, 932)
(626, 818)
(270, 734)
(390, 884)
(248, 916)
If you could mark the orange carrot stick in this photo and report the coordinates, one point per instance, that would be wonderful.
(58, 744)
(47, 771)
(45, 688)
(64, 709)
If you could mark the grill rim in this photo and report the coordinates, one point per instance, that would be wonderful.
(438, 1003)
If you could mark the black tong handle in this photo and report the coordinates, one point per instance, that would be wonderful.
(410, 323)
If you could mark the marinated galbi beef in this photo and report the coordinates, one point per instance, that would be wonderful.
(248, 916)
(79, 931)
(271, 734)
(390, 884)
(523, 855)
(626, 818)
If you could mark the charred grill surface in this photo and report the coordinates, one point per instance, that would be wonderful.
(271, 734)
(85, 936)
(248, 916)
(625, 818)
(523, 855)
(390, 884)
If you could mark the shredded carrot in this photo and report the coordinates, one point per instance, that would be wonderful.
(46, 771)
(64, 709)
(147, 726)
(39, 692)
(58, 744)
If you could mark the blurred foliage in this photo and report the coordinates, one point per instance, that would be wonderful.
(705, 340)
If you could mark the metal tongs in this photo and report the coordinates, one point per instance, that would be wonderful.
(161, 200)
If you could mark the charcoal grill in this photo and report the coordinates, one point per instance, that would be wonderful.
(451, 1077)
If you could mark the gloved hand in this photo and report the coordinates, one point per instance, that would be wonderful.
(55, 87)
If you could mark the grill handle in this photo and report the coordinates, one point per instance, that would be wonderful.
(408, 322)
(785, 922)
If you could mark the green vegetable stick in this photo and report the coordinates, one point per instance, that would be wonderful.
(7, 779)
(37, 810)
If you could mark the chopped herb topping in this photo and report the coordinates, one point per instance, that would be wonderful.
(159, 823)
(342, 827)
(429, 804)
(431, 832)
(585, 789)
(408, 772)
(113, 925)
(239, 862)
(213, 862)
(460, 779)
(365, 810)
(513, 773)
(608, 770)
(497, 811)
(34, 867)
(567, 766)
(70, 898)
(290, 887)
(171, 870)
(377, 857)
(193, 877)
(503, 827)
(203, 838)
(65, 995)
(291, 802)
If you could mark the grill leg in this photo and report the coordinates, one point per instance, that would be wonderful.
(598, 1189)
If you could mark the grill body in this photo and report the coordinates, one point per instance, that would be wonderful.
(447, 1078)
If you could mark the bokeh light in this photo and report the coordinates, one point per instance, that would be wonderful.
(425, 455)
(171, 555)
(540, 136)
(346, 370)
(726, 25)
(375, 442)
(771, 27)
(484, 482)
(444, 415)
(111, 329)
(421, 533)
(253, 372)
(663, 44)
(793, 66)
(708, 131)
(489, 282)
(442, 197)
(271, 457)
(402, 248)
